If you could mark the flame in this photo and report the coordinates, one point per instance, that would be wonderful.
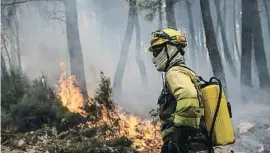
(70, 94)
(144, 135)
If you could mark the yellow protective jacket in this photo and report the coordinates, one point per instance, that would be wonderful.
(183, 84)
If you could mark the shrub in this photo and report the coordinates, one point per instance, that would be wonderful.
(14, 84)
(154, 115)
(102, 100)
(104, 92)
(28, 105)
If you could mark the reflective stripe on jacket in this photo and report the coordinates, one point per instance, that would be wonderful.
(180, 82)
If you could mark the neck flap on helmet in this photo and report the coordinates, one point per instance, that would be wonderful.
(179, 50)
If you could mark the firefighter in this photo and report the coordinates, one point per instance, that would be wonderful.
(180, 106)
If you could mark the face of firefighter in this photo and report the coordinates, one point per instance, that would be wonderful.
(161, 59)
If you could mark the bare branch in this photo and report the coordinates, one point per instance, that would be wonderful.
(58, 19)
(25, 1)
(5, 49)
(14, 3)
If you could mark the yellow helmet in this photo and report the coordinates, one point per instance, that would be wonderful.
(167, 35)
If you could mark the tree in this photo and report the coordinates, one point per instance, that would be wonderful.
(217, 5)
(3, 65)
(235, 30)
(154, 7)
(171, 23)
(266, 4)
(74, 45)
(211, 43)
(10, 32)
(119, 73)
(138, 49)
(159, 14)
(193, 45)
(17, 38)
(4, 49)
(246, 46)
(11, 15)
(226, 49)
(263, 73)
(73, 39)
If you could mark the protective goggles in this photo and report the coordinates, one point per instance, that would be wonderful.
(157, 50)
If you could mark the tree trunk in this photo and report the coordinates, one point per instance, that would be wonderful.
(4, 48)
(217, 4)
(171, 23)
(211, 43)
(267, 5)
(3, 65)
(74, 45)
(12, 46)
(138, 49)
(18, 49)
(193, 45)
(200, 37)
(235, 30)
(260, 58)
(246, 47)
(226, 49)
(118, 77)
(159, 14)
(224, 12)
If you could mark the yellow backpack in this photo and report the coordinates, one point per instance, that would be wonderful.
(217, 112)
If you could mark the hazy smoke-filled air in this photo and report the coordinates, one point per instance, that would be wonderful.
(102, 27)
(44, 46)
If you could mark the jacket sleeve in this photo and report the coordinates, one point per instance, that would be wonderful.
(187, 109)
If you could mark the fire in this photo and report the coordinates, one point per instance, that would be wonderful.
(70, 94)
(144, 135)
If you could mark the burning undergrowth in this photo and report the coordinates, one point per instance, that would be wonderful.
(36, 117)
(101, 111)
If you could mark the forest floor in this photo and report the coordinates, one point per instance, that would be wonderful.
(47, 140)
(251, 137)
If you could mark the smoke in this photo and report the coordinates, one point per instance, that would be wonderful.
(44, 46)
(101, 48)
(42, 41)
(102, 27)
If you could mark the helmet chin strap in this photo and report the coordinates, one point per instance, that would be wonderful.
(179, 50)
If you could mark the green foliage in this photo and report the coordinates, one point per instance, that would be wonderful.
(93, 111)
(35, 106)
(66, 119)
(102, 99)
(154, 116)
(104, 92)
(29, 114)
(150, 6)
(5, 119)
(28, 105)
(93, 145)
(124, 141)
(14, 84)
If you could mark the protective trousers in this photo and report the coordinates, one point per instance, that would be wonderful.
(185, 140)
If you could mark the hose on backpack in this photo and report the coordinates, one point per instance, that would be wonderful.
(216, 112)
